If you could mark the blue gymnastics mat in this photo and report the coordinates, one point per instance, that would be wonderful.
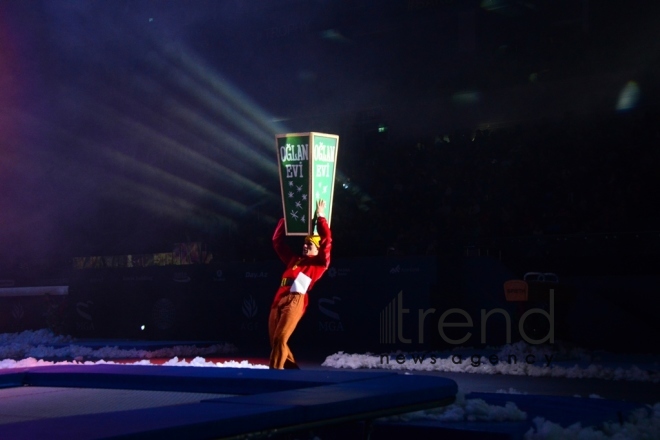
(232, 402)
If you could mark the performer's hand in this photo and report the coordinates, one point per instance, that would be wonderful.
(320, 208)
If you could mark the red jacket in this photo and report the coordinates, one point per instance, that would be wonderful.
(301, 273)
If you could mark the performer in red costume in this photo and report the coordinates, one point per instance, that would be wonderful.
(300, 275)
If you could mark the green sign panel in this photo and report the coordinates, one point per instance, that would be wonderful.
(307, 164)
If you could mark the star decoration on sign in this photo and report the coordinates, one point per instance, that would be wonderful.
(290, 182)
(294, 214)
(302, 219)
(299, 205)
(290, 194)
(304, 197)
(299, 188)
(323, 189)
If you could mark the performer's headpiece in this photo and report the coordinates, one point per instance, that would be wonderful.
(315, 239)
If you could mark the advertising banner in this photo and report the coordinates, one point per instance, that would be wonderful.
(307, 164)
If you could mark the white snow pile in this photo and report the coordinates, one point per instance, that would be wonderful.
(464, 410)
(32, 362)
(519, 359)
(18, 343)
(644, 423)
(201, 362)
(31, 348)
(114, 352)
(196, 362)
(510, 391)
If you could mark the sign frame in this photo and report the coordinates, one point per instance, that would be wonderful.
(307, 165)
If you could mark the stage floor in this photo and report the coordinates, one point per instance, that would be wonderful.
(125, 400)
(163, 402)
(22, 404)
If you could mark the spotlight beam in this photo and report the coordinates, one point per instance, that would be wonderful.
(213, 80)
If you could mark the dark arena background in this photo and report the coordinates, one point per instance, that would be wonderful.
(495, 268)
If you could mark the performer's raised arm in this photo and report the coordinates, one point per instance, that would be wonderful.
(280, 245)
(325, 243)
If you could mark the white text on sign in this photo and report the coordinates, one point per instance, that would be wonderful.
(322, 170)
(294, 171)
(291, 152)
(325, 153)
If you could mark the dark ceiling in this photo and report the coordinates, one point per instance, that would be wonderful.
(132, 124)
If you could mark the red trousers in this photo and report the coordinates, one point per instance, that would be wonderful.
(282, 321)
